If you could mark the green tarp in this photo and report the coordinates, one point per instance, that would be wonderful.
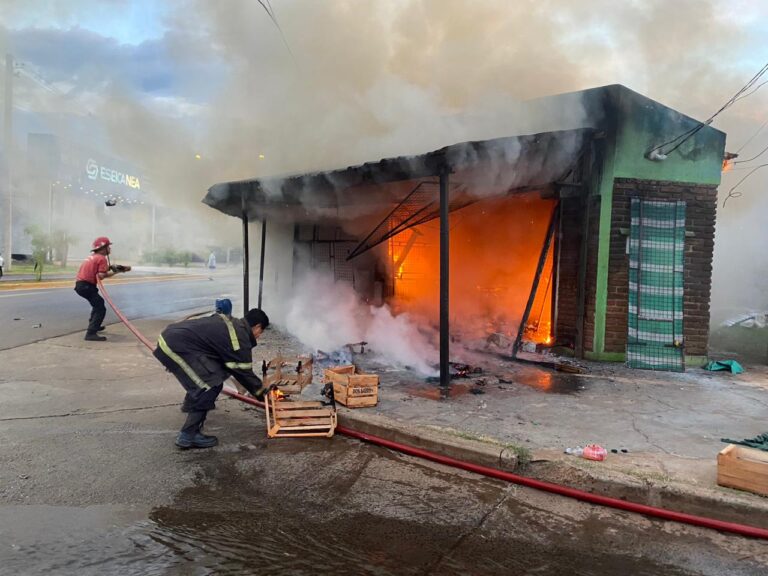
(760, 442)
(728, 365)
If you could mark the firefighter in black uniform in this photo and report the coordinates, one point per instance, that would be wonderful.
(202, 353)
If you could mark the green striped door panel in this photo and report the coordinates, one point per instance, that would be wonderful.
(656, 261)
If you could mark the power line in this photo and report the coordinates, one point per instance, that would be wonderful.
(763, 125)
(271, 13)
(732, 194)
(753, 91)
(753, 157)
(685, 136)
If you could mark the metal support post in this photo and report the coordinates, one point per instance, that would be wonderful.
(537, 276)
(555, 300)
(445, 334)
(246, 251)
(261, 257)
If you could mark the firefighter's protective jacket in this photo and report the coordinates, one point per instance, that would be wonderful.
(209, 350)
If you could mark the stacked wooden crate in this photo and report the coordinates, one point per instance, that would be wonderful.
(743, 468)
(292, 419)
(353, 389)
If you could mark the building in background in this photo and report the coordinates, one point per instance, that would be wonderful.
(70, 188)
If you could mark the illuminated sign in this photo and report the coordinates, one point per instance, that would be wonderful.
(96, 172)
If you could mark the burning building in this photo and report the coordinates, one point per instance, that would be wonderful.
(595, 236)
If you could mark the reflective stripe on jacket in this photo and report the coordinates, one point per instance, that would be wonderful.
(212, 348)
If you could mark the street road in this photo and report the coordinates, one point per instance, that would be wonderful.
(312, 507)
(29, 315)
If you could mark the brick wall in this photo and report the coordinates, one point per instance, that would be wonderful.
(571, 212)
(570, 254)
(701, 206)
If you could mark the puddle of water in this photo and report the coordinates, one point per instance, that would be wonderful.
(435, 392)
(541, 380)
(549, 382)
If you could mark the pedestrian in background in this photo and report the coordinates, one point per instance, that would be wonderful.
(96, 267)
(2, 263)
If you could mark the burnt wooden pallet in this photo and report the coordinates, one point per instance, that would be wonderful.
(291, 375)
(292, 419)
(353, 389)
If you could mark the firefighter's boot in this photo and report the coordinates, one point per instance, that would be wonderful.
(191, 435)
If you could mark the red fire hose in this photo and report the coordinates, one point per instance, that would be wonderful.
(701, 521)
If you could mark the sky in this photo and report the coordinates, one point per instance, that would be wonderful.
(345, 81)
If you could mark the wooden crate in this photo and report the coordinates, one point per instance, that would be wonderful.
(743, 468)
(352, 389)
(290, 419)
(285, 373)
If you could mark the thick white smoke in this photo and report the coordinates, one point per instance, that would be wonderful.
(327, 315)
(367, 79)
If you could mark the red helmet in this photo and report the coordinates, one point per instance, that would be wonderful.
(100, 242)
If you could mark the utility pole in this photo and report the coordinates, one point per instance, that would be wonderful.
(8, 151)
(153, 232)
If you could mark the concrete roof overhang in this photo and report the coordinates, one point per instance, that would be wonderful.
(486, 168)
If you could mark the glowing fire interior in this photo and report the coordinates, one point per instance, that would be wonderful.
(495, 246)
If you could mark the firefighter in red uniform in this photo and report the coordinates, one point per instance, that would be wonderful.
(203, 352)
(96, 266)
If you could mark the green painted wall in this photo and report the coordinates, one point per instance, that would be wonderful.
(643, 124)
(634, 124)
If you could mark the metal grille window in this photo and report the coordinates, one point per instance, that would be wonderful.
(656, 258)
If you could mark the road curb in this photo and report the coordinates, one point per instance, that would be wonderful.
(475, 451)
(48, 284)
(716, 502)
(713, 502)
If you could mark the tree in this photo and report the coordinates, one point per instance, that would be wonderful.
(60, 243)
(41, 244)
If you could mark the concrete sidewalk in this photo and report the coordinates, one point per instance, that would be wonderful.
(512, 415)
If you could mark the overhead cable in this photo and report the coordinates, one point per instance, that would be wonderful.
(685, 136)
(732, 193)
(271, 13)
(763, 125)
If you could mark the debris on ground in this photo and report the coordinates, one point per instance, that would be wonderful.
(594, 452)
(590, 452)
(498, 339)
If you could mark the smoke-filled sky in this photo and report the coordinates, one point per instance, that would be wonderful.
(354, 80)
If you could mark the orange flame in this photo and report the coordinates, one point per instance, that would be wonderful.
(495, 247)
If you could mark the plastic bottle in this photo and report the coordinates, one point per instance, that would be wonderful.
(594, 452)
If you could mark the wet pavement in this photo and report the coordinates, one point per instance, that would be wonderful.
(90, 482)
(339, 507)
